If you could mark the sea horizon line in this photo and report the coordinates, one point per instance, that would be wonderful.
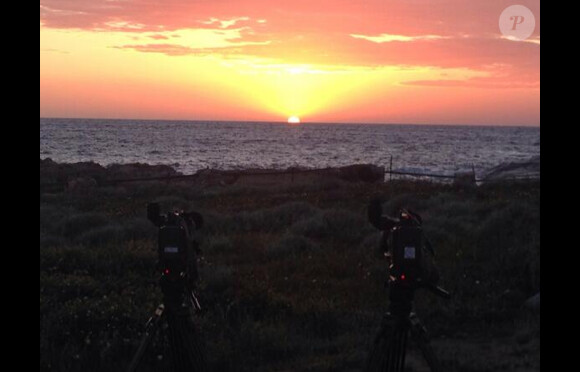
(305, 123)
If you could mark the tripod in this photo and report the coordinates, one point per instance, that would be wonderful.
(389, 351)
(185, 344)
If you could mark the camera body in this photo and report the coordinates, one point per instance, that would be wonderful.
(404, 244)
(177, 248)
(407, 251)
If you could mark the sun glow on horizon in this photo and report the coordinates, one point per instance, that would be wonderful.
(294, 120)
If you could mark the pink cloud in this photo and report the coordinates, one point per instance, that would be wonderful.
(167, 49)
(400, 17)
(486, 82)
(443, 34)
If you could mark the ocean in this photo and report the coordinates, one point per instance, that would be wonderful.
(191, 146)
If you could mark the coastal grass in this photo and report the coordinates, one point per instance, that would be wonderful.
(291, 276)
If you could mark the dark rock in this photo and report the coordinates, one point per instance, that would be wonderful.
(526, 169)
(362, 173)
(465, 180)
(265, 177)
(83, 176)
(82, 185)
(211, 177)
(137, 171)
(52, 173)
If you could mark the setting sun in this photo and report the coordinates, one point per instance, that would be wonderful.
(294, 120)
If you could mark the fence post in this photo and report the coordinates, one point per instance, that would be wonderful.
(391, 170)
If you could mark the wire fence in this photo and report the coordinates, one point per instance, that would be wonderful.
(417, 174)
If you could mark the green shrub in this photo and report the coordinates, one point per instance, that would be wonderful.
(276, 219)
(51, 218)
(218, 279)
(291, 246)
(509, 240)
(265, 342)
(170, 203)
(334, 224)
(102, 235)
(347, 226)
(139, 228)
(415, 202)
(278, 295)
(318, 324)
(372, 244)
(50, 241)
(78, 224)
(219, 245)
(314, 227)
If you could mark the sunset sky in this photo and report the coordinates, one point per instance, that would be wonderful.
(373, 61)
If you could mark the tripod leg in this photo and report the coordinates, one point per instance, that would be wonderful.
(150, 330)
(400, 349)
(423, 340)
(186, 344)
(390, 347)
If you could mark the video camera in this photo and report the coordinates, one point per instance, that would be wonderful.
(177, 248)
(410, 254)
(411, 267)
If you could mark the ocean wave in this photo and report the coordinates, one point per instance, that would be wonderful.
(197, 146)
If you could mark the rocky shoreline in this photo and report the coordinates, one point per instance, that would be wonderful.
(516, 170)
(52, 172)
(93, 174)
(90, 174)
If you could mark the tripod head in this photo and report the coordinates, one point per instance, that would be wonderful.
(194, 220)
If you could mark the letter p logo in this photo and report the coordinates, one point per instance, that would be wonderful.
(517, 22)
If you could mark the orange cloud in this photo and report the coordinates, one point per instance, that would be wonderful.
(387, 38)
(453, 33)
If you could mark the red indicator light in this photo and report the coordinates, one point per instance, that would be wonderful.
(403, 277)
